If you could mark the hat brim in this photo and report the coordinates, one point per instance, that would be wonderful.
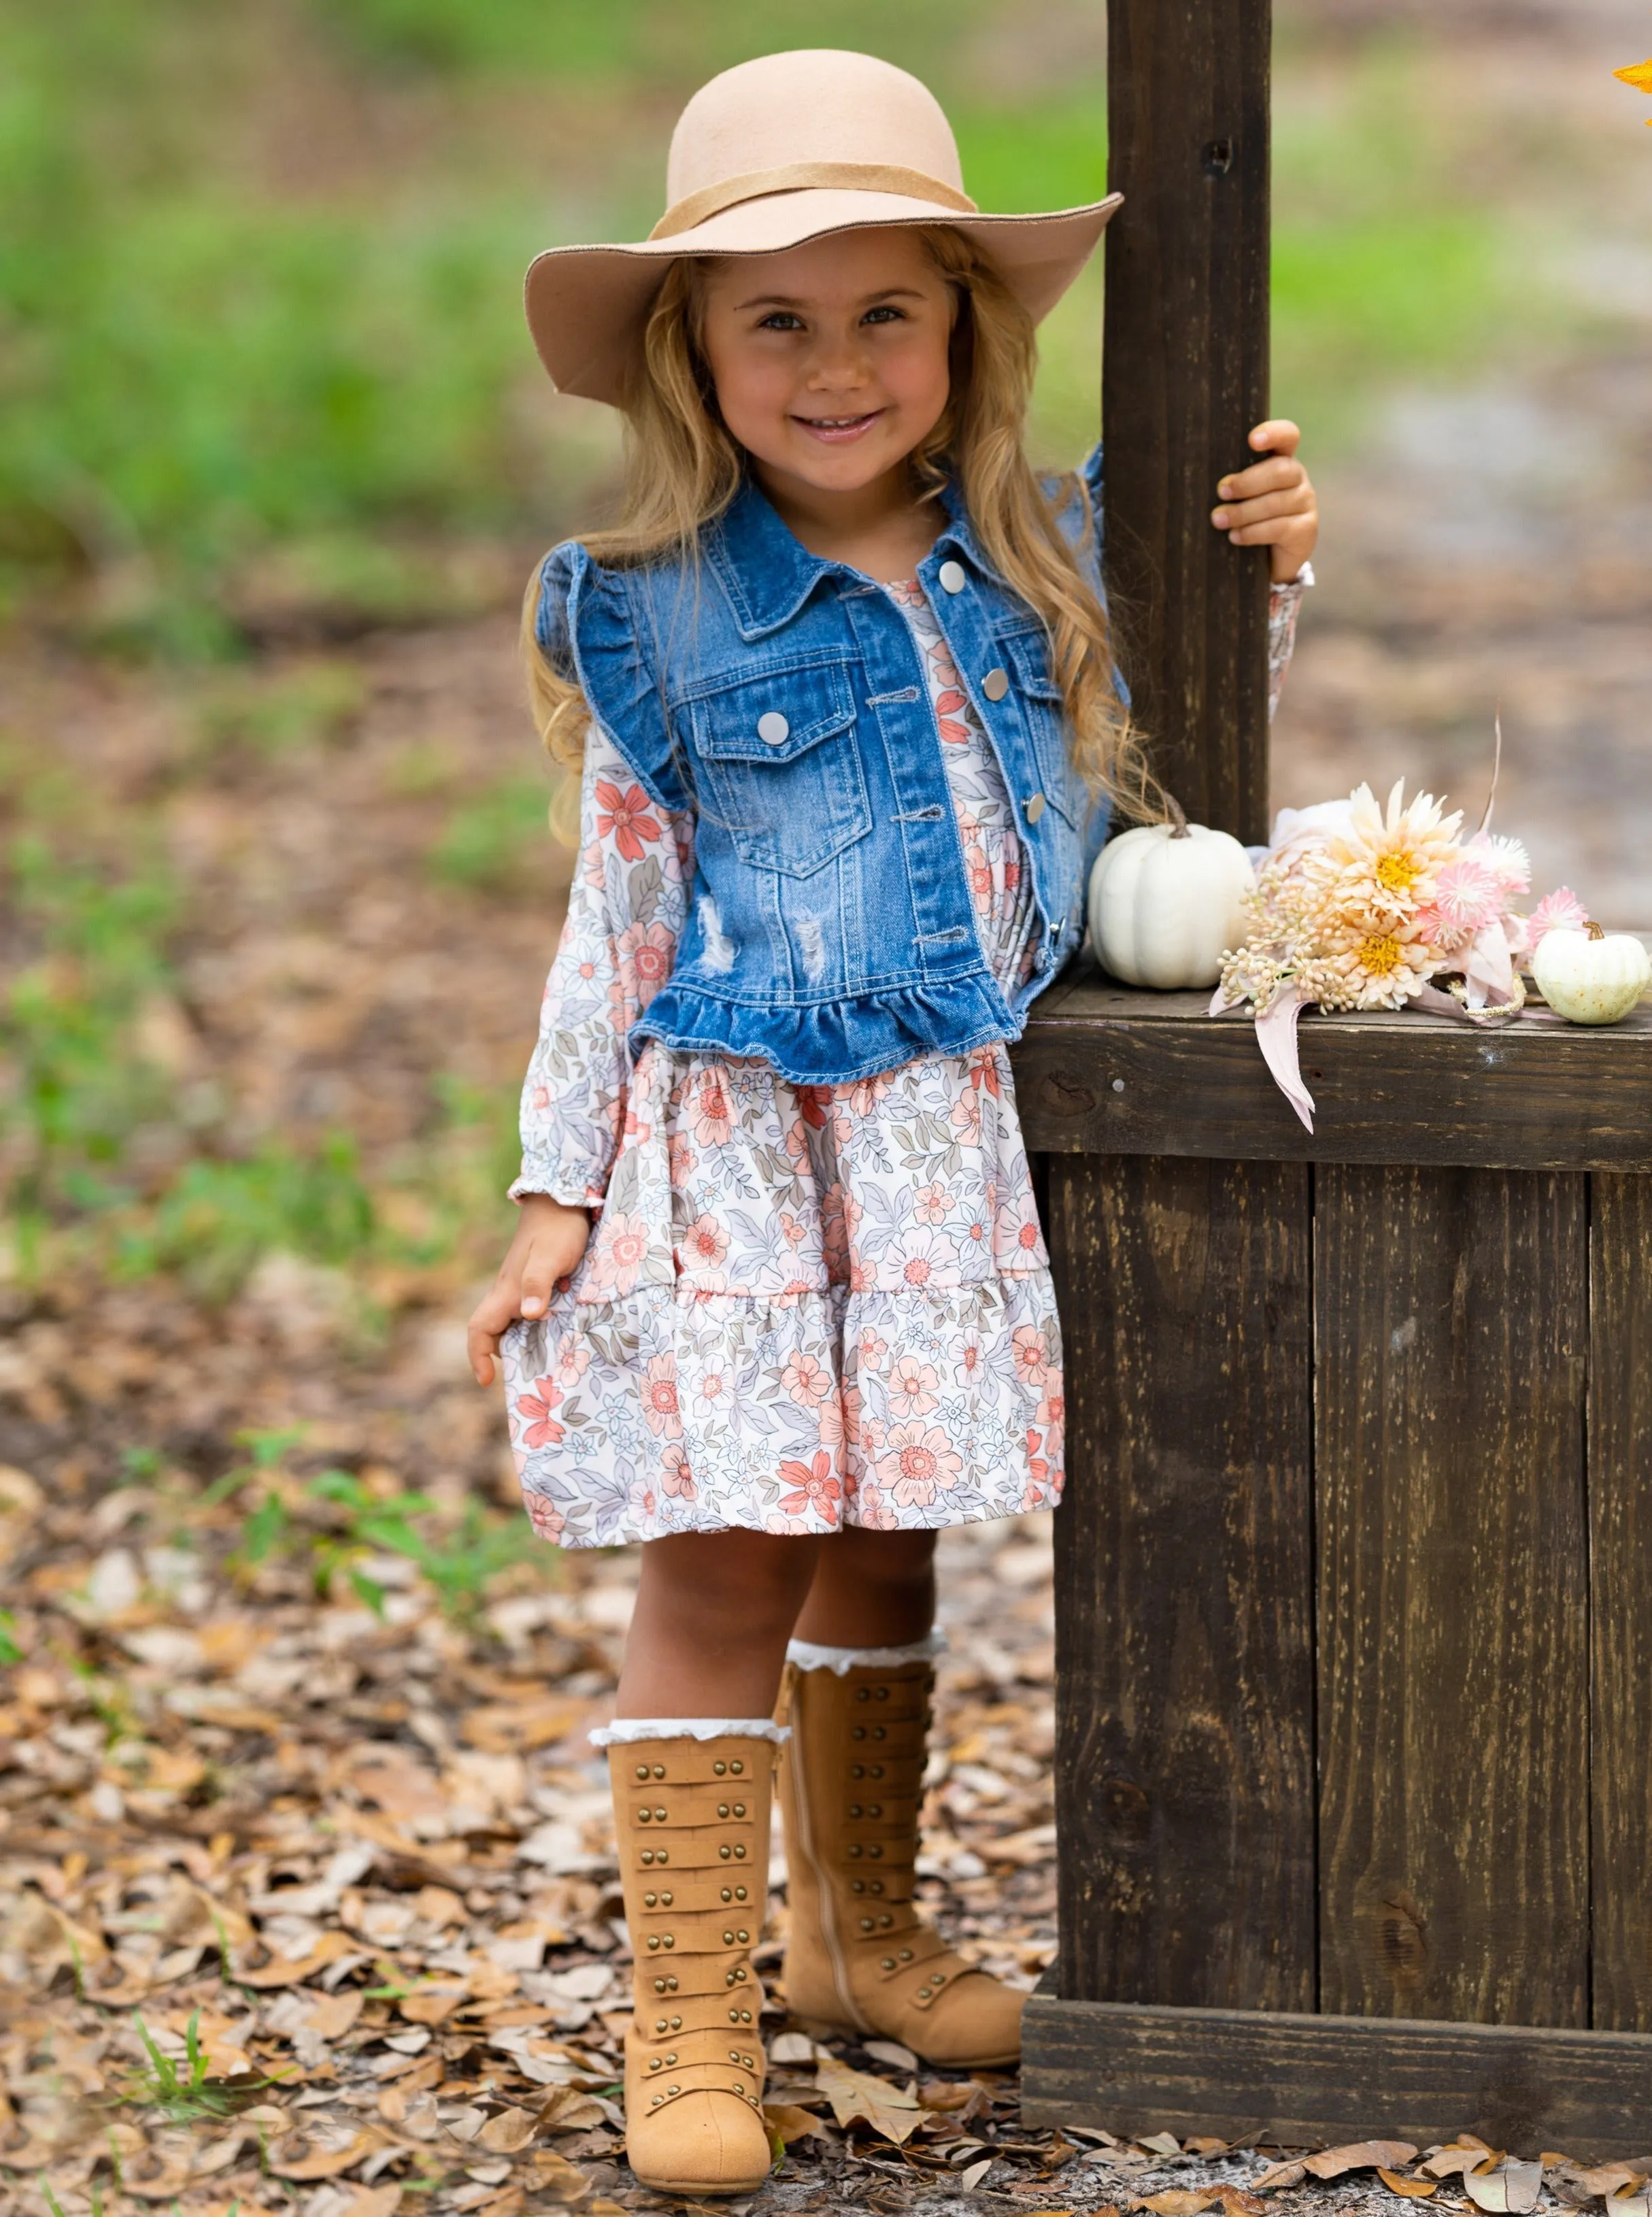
(587, 305)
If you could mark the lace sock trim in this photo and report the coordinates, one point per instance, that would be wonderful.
(624, 1730)
(807, 1655)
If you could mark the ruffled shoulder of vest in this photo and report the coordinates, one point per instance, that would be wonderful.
(1076, 496)
(593, 624)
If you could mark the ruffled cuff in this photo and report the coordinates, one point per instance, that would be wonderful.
(569, 1181)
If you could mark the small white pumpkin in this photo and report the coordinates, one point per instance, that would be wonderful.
(1591, 977)
(1164, 903)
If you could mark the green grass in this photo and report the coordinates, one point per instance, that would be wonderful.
(493, 840)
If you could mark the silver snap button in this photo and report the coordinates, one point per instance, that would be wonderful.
(1034, 806)
(995, 684)
(773, 729)
(952, 579)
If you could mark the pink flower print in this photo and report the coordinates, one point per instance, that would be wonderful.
(873, 1511)
(917, 1463)
(544, 1516)
(619, 1252)
(863, 1096)
(711, 1112)
(808, 1381)
(675, 1474)
(965, 1118)
(969, 1357)
(1019, 1241)
(924, 1258)
(539, 1429)
(983, 1071)
(645, 953)
(681, 1158)
(660, 1409)
(813, 1487)
(933, 1204)
(627, 816)
(1052, 1409)
(704, 1245)
(872, 1349)
(573, 1360)
(911, 1387)
(713, 1389)
(642, 1501)
(872, 1434)
(1560, 911)
(794, 1230)
(860, 1278)
(1031, 1351)
(541, 1096)
(829, 1422)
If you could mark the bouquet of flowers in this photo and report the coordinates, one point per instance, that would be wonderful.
(1356, 907)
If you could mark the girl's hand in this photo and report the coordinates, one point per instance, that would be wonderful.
(1271, 503)
(550, 1239)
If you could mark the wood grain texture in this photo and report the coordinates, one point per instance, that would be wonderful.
(1103, 1070)
(1451, 1329)
(1620, 1515)
(1184, 1765)
(1185, 377)
(1301, 2080)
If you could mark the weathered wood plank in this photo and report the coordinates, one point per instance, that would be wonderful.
(1452, 1330)
(1185, 376)
(1620, 1514)
(1184, 1767)
(1300, 2078)
(1113, 1071)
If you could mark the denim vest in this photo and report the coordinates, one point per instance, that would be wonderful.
(781, 700)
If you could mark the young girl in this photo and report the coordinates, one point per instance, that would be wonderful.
(778, 1305)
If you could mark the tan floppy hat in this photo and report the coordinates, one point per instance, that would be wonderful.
(773, 152)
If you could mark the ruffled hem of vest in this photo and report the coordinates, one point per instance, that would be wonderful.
(832, 1043)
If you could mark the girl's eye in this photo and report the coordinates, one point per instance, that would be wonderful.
(886, 314)
(780, 320)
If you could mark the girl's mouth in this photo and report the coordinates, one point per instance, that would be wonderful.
(837, 430)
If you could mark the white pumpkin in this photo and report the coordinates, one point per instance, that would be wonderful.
(1164, 904)
(1591, 977)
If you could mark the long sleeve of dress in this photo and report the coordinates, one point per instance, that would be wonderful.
(1284, 606)
(625, 913)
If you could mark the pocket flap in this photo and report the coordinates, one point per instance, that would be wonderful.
(1029, 650)
(775, 716)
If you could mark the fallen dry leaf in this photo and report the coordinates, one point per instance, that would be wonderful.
(1462, 2154)
(1280, 2177)
(855, 2096)
(508, 2132)
(792, 2123)
(1179, 2201)
(326, 2163)
(1507, 2187)
(1161, 2143)
(1359, 2155)
(1414, 2190)
(373, 2201)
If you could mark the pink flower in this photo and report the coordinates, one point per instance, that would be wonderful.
(1560, 911)
(675, 1474)
(573, 1360)
(932, 1204)
(1032, 1350)
(713, 1388)
(1467, 896)
(704, 1245)
(627, 816)
(872, 1349)
(806, 1380)
(1506, 860)
(814, 1487)
(617, 1252)
(645, 953)
(539, 1428)
(543, 1516)
(863, 1096)
(925, 1258)
(966, 1117)
(660, 1409)
(918, 1462)
(873, 1510)
(682, 1159)
(911, 1387)
(711, 1111)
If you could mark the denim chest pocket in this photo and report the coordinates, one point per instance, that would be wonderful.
(1044, 712)
(779, 764)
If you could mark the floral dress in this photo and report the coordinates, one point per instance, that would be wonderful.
(801, 1306)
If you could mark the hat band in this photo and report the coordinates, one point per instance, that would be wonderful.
(802, 176)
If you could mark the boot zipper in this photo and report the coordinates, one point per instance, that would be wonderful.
(828, 1932)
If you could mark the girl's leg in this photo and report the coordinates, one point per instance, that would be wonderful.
(714, 1611)
(871, 1589)
(707, 1643)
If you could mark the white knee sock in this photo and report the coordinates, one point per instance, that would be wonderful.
(624, 1730)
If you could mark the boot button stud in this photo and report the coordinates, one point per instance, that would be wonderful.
(720, 1770)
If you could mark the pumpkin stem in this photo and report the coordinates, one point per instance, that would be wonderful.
(1178, 817)
(1594, 929)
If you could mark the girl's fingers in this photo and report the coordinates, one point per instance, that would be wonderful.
(481, 1347)
(537, 1279)
(1278, 435)
(1272, 476)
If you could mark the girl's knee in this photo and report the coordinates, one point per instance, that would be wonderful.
(738, 1581)
(893, 1558)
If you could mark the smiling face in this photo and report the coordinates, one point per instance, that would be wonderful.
(830, 360)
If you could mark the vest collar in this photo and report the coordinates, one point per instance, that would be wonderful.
(768, 574)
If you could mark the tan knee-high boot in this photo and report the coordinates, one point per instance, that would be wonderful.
(692, 1821)
(859, 1955)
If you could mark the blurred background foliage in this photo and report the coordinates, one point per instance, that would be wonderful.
(260, 273)
(263, 374)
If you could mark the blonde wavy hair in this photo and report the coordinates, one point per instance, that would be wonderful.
(682, 469)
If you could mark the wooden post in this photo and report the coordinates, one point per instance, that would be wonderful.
(1184, 376)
